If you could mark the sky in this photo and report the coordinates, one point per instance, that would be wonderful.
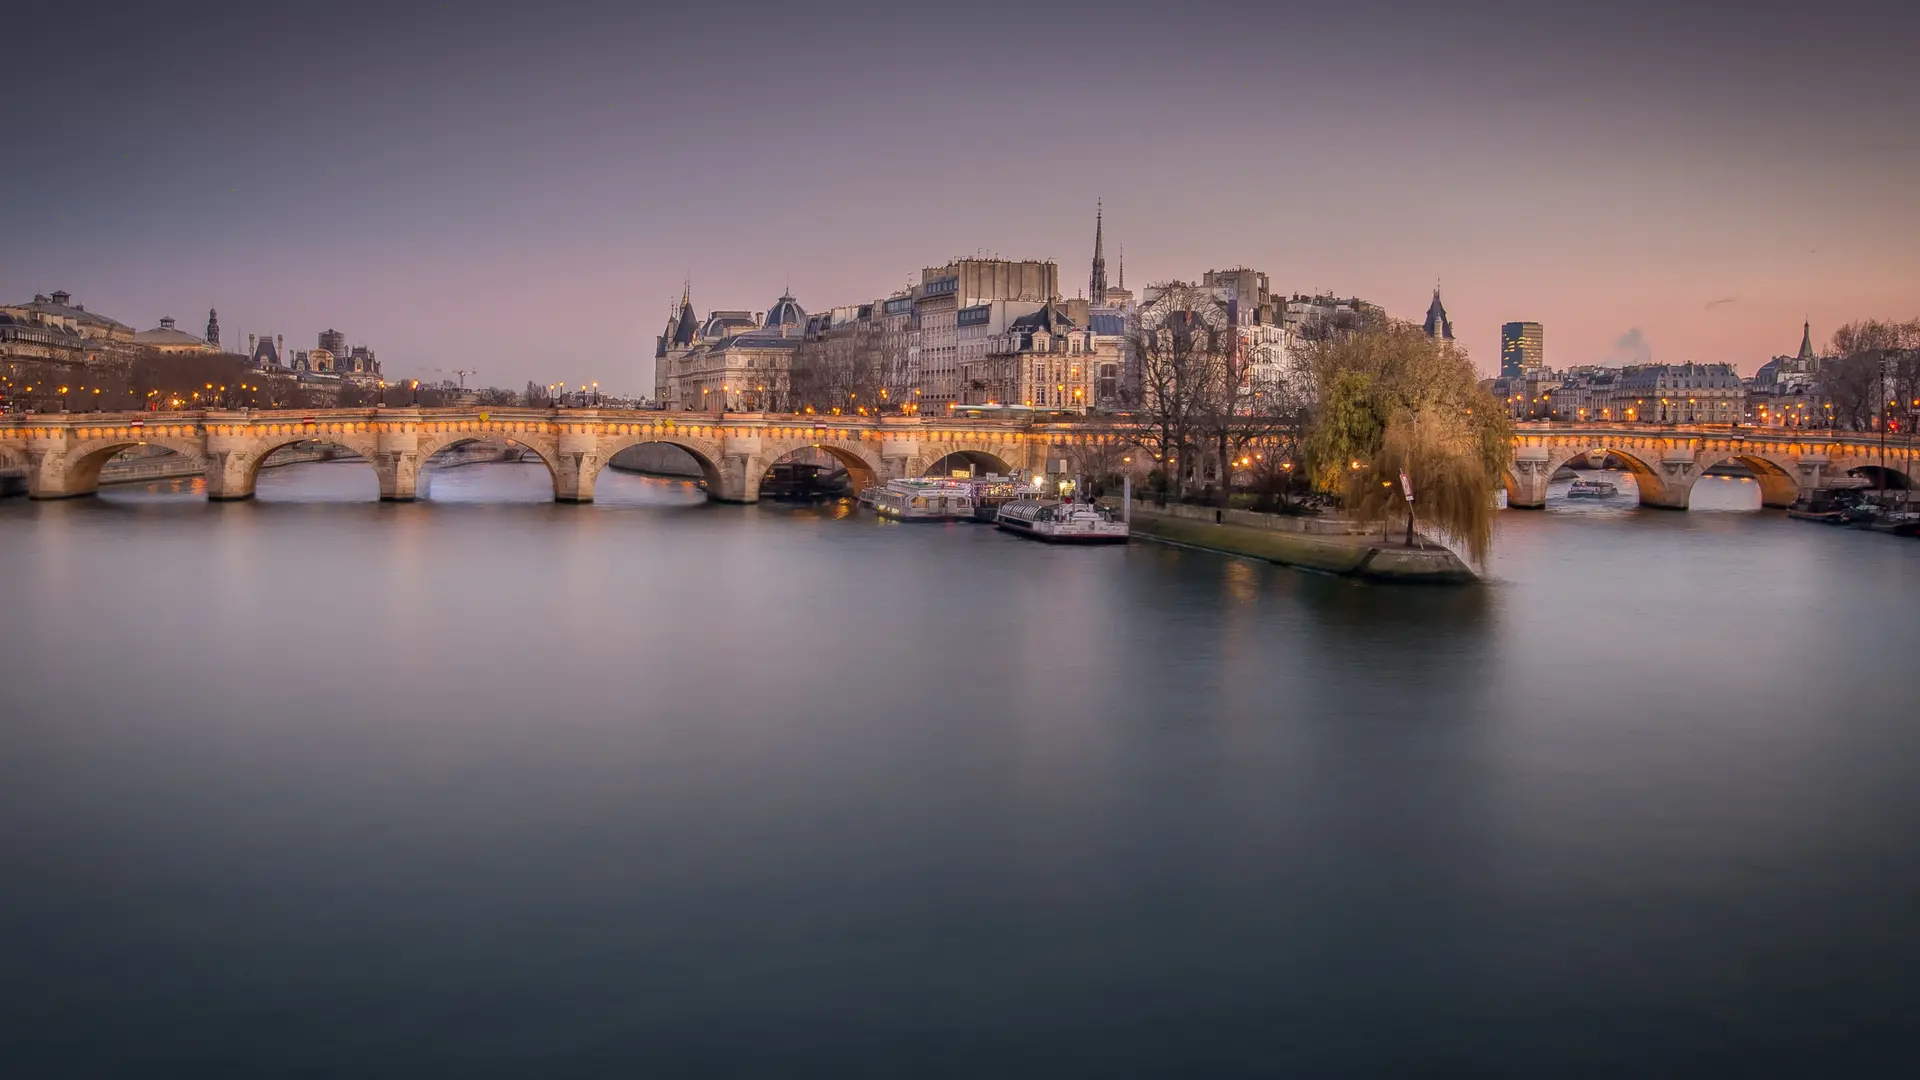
(522, 189)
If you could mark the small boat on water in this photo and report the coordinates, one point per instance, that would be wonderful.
(921, 500)
(1896, 523)
(1059, 522)
(1591, 489)
(1832, 505)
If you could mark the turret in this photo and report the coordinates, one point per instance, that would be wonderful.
(1438, 326)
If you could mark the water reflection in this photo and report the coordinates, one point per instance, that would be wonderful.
(482, 784)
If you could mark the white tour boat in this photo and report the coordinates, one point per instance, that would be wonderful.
(1061, 522)
(1591, 489)
(921, 500)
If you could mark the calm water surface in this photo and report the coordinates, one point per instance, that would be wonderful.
(483, 786)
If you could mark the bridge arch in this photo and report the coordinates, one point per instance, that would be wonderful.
(862, 470)
(1899, 474)
(1778, 488)
(706, 453)
(544, 449)
(984, 461)
(83, 467)
(363, 444)
(1654, 489)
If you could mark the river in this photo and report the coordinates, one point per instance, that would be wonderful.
(484, 786)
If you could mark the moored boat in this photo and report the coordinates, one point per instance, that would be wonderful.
(1832, 505)
(1896, 523)
(992, 492)
(920, 500)
(1061, 522)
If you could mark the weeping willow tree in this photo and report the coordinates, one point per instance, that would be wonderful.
(1390, 400)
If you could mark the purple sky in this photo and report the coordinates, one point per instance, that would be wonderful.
(521, 189)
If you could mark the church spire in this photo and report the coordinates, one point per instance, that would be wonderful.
(1097, 285)
(213, 327)
(1806, 341)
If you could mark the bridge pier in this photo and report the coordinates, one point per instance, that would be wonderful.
(230, 473)
(1527, 482)
(740, 471)
(51, 476)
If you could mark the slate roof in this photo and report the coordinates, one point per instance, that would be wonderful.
(688, 326)
(785, 312)
(45, 306)
(1437, 324)
(168, 335)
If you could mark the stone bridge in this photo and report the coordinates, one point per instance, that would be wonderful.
(61, 454)
(1667, 460)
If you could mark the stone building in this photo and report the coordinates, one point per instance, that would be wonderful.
(982, 381)
(171, 340)
(267, 352)
(1790, 374)
(1043, 359)
(1240, 299)
(1678, 394)
(943, 291)
(52, 326)
(735, 360)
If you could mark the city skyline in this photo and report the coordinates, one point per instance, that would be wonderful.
(502, 191)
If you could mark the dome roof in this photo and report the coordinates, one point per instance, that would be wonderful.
(785, 312)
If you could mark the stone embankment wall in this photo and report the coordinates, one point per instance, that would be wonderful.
(1310, 524)
(1328, 545)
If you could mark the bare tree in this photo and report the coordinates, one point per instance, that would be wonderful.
(1255, 405)
(1874, 373)
(1101, 457)
(854, 368)
(1179, 357)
